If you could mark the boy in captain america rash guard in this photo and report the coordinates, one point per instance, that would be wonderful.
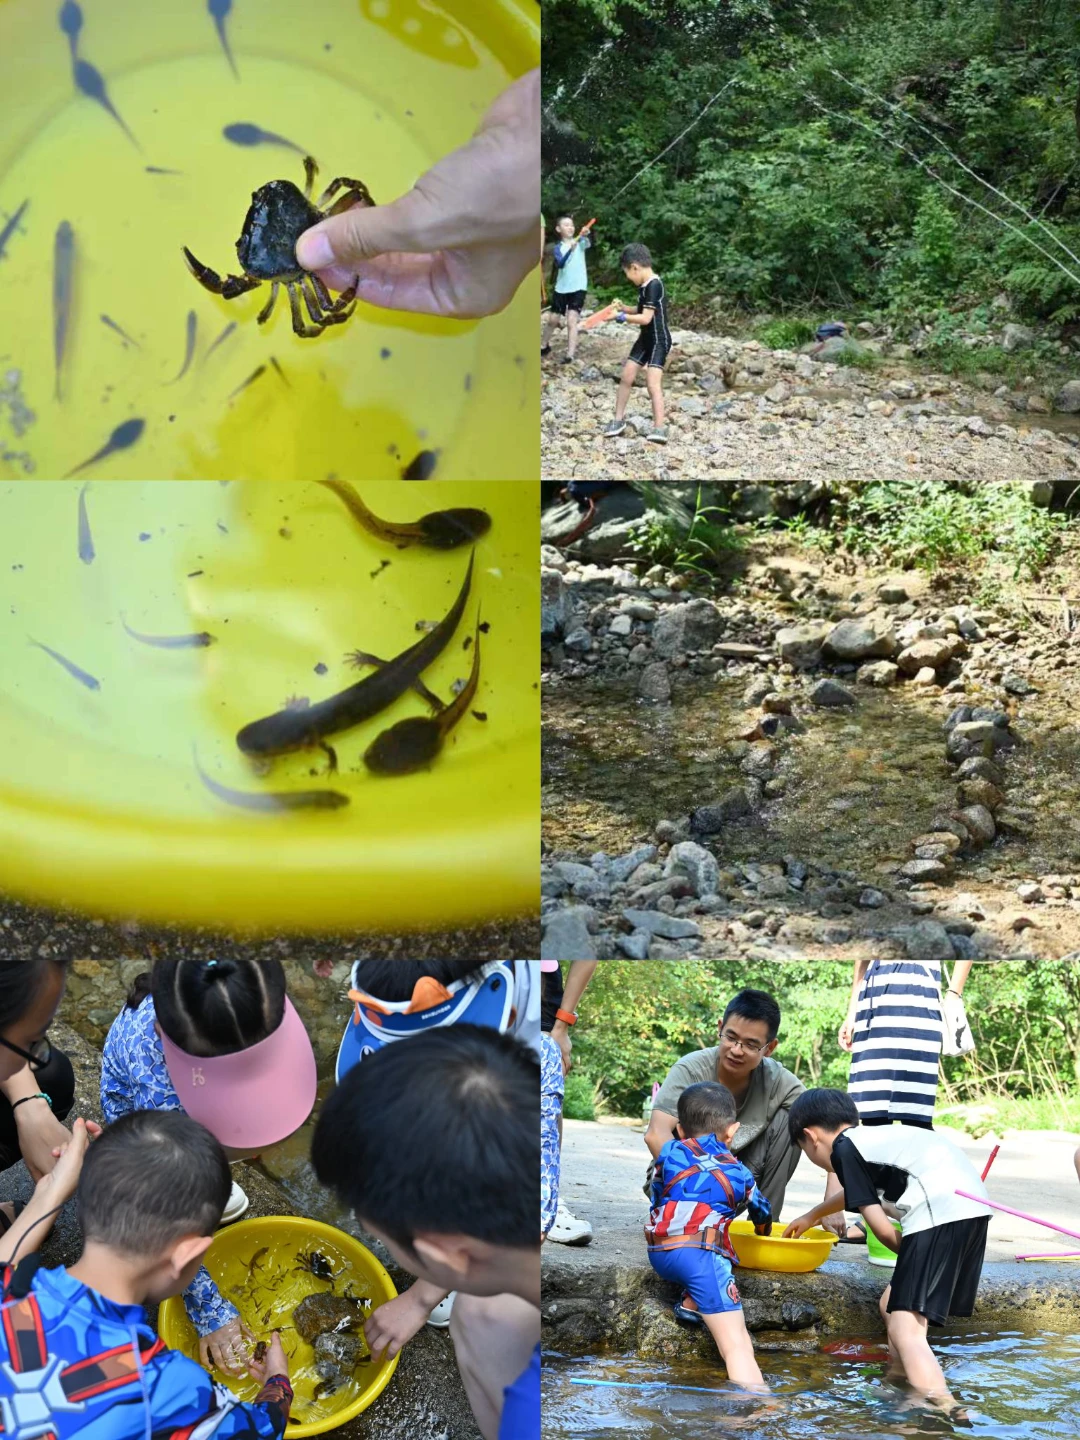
(698, 1189)
(78, 1358)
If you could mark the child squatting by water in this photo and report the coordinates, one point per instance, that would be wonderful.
(942, 1238)
(698, 1187)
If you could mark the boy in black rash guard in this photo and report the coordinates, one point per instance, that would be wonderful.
(943, 1236)
(651, 348)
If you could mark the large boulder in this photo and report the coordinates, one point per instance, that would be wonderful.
(697, 864)
(861, 639)
(693, 626)
(801, 645)
(1067, 399)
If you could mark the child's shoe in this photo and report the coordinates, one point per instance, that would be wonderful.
(687, 1316)
(238, 1203)
(658, 436)
(614, 427)
(568, 1229)
(439, 1318)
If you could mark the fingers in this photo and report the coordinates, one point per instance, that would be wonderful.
(345, 240)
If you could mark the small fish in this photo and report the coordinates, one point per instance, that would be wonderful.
(128, 339)
(63, 275)
(171, 642)
(220, 340)
(257, 1257)
(272, 799)
(92, 83)
(249, 381)
(157, 170)
(414, 743)
(189, 348)
(219, 10)
(422, 467)
(12, 225)
(86, 543)
(83, 678)
(244, 134)
(121, 438)
(281, 372)
(441, 530)
(71, 22)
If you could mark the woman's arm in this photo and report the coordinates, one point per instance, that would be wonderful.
(846, 1035)
(577, 977)
(41, 1135)
(960, 972)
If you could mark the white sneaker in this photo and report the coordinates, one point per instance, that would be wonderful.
(238, 1203)
(440, 1316)
(568, 1229)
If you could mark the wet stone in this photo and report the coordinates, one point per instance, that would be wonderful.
(980, 822)
(316, 1314)
(830, 694)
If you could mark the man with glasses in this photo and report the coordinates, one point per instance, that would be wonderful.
(763, 1091)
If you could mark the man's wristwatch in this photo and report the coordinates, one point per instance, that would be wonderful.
(566, 1016)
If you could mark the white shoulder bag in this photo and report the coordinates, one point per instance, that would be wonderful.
(956, 1036)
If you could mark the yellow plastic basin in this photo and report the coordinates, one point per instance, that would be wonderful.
(773, 1252)
(101, 806)
(377, 90)
(288, 1236)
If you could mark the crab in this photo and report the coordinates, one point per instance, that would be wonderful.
(278, 216)
(316, 1264)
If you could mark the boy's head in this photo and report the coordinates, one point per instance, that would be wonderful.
(564, 226)
(707, 1109)
(153, 1190)
(748, 1030)
(815, 1120)
(636, 263)
(435, 1143)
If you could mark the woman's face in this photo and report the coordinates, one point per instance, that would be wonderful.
(33, 1025)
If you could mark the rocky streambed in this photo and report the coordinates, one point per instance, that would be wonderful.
(809, 764)
(737, 409)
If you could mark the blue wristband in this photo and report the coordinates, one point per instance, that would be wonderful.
(620, 318)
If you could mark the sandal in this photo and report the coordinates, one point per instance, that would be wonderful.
(859, 1239)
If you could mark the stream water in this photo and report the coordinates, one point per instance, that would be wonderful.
(1013, 1387)
(859, 783)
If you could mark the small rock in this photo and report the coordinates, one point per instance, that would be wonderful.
(979, 822)
(668, 927)
(710, 819)
(635, 945)
(626, 865)
(978, 767)
(880, 672)
(829, 694)
(861, 639)
(871, 899)
(1067, 399)
(566, 935)
(1017, 685)
(980, 792)
(621, 625)
(697, 864)
(800, 645)
(892, 594)
(1017, 337)
(927, 940)
(927, 871)
(923, 653)
(774, 704)
(925, 677)
(693, 626)
(1029, 892)
(654, 683)
(578, 640)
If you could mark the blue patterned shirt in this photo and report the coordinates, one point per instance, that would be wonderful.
(134, 1077)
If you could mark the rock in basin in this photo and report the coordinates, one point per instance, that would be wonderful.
(316, 1314)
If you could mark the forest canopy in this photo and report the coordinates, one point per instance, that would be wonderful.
(836, 154)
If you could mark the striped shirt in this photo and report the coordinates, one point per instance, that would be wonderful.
(894, 1067)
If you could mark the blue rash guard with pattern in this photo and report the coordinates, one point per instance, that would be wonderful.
(698, 1188)
(75, 1364)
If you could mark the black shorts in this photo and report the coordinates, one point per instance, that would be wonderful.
(551, 993)
(652, 353)
(564, 300)
(937, 1271)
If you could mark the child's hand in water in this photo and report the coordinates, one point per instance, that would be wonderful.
(274, 1362)
(799, 1227)
(461, 241)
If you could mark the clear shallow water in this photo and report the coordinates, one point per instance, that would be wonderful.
(1014, 1387)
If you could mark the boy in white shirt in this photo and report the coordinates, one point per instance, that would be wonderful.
(571, 283)
(942, 1242)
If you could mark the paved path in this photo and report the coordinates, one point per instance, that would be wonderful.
(604, 1168)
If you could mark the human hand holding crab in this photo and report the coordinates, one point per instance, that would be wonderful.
(461, 241)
